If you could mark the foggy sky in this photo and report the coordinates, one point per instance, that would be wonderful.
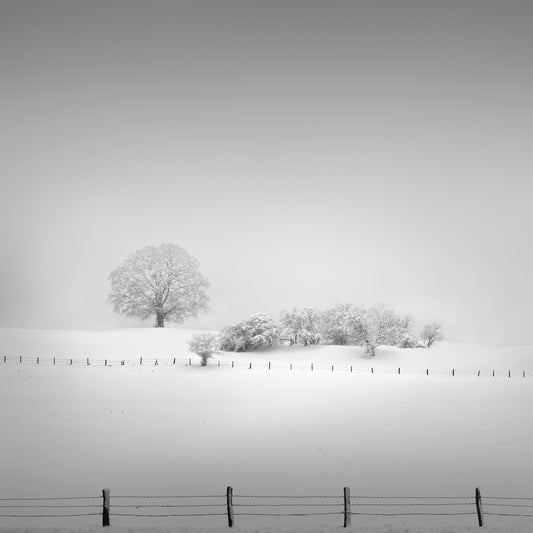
(307, 153)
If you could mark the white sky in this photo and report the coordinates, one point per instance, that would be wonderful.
(307, 153)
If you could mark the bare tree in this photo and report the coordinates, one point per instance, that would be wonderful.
(431, 333)
(163, 281)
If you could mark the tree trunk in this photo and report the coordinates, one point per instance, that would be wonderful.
(159, 319)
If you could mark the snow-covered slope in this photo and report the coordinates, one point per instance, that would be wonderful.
(188, 430)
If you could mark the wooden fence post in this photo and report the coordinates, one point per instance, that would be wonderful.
(5, 359)
(398, 370)
(105, 508)
(312, 366)
(479, 508)
(347, 508)
(229, 501)
(269, 365)
(20, 359)
(453, 371)
(427, 371)
(87, 361)
(141, 361)
(37, 360)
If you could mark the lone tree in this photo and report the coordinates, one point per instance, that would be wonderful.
(164, 281)
(205, 345)
(431, 333)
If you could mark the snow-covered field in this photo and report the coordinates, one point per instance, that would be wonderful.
(187, 430)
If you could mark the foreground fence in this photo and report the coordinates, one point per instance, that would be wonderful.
(231, 506)
(172, 361)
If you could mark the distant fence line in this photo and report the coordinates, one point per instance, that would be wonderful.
(231, 506)
(171, 361)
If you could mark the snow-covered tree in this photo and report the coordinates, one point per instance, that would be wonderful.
(343, 324)
(431, 333)
(163, 281)
(257, 331)
(204, 345)
(301, 325)
(384, 326)
(408, 341)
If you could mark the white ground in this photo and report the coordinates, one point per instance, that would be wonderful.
(182, 430)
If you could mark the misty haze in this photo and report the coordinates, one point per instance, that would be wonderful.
(266, 265)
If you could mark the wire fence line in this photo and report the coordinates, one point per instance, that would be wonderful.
(267, 505)
(251, 365)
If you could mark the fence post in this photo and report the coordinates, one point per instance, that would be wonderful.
(87, 361)
(453, 371)
(20, 359)
(398, 370)
(141, 361)
(174, 361)
(347, 508)
(71, 362)
(37, 360)
(269, 365)
(427, 371)
(105, 508)
(5, 359)
(229, 501)
(479, 508)
(250, 366)
(312, 366)
(509, 373)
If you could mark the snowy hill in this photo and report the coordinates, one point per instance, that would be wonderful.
(186, 430)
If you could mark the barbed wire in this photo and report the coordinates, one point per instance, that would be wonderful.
(48, 515)
(291, 496)
(51, 499)
(414, 497)
(507, 505)
(506, 498)
(167, 515)
(171, 496)
(49, 506)
(508, 514)
(163, 506)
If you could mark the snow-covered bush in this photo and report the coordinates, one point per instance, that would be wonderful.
(408, 342)
(204, 345)
(257, 331)
(301, 325)
(383, 326)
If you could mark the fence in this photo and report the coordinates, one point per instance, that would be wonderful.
(231, 506)
(172, 361)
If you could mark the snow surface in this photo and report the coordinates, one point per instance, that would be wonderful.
(180, 429)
